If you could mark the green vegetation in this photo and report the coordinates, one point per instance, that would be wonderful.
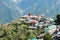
(39, 30)
(16, 31)
(47, 37)
(57, 19)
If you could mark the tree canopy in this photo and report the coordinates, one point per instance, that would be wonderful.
(57, 21)
(47, 37)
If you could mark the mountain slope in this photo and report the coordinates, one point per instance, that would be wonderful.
(8, 11)
(12, 9)
(46, 7)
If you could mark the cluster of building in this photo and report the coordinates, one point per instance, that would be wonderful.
(40, 20)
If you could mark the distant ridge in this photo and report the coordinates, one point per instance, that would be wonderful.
(8, 11)
(12, 9)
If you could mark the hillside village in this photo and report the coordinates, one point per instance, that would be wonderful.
(40, 21)
(29, 27)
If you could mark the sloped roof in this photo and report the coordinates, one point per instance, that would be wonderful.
(50, 27)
